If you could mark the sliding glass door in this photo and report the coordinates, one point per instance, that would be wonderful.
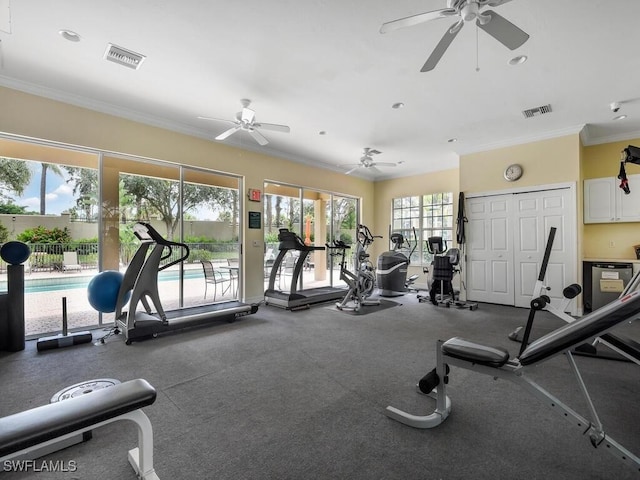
(318, 218)
(196, 208)
(49, 200)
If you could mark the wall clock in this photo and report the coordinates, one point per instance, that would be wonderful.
(513, 172)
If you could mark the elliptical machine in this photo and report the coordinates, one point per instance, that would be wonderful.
(363, 281)
(393, 264)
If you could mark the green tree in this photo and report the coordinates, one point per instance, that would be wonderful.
(161, 197)
(225, 200)
(13, 209)
(278, 209)
(4, 233)
(43, 183)
(268, 220)
(14, 177)
(85, 189)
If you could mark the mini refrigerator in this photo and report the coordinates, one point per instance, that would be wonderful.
(608, 281)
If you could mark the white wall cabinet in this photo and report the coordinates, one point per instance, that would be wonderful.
(605, 202)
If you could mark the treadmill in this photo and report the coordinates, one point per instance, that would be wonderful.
(296, 299)
(141, 279)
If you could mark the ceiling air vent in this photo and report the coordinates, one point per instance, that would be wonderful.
(123, 56)
(534, 112)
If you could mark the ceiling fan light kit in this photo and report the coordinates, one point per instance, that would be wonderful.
(246, 121)
(366, 161)
(492, 23)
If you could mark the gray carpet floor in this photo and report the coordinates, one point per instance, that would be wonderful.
(301, 395)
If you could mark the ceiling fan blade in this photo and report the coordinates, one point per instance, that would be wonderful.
(416, 19)
(383, 164)
(258, 137)
(493, 3)
(248, 115)
(273, 126)
(216, 119)
(442, 46)
(228, 133)
(502, 30)
(351, 170)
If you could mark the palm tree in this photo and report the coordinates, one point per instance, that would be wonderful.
(43, 183)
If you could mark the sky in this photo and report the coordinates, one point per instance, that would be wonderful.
(59, 193)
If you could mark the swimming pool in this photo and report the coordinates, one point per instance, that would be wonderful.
(74, 281)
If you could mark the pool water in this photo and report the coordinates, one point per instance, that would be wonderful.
(55, 283)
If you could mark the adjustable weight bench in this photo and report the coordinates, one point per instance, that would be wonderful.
(496, 362)
(26, 432)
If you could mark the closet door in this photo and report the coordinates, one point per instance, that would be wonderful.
(490, 249)
(534, 215)
(506, 242)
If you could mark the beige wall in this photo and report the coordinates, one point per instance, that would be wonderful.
(545, 162)
(41, 118)
(604, 161)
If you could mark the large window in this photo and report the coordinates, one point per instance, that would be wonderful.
(430, 215)
(49, 200)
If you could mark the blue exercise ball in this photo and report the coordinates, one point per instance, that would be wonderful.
(15, 253)
(103, 291)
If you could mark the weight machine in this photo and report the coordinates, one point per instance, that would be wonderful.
(445, 266)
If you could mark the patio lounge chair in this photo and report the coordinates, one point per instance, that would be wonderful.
(70, 262)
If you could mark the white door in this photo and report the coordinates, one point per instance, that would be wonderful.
(536, 213)
(490, 249)
(506, 243)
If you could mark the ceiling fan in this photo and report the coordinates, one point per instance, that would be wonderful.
(495, 25)
(366, 161)
(246, 120)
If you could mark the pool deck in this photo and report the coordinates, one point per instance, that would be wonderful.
(43, 309)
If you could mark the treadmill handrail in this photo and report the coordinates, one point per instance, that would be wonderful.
(153, 235)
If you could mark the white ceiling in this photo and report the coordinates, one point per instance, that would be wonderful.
(322, 65)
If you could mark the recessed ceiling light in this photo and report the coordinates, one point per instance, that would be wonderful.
(69, 35)
(452, 140)
(518, 60)
(397, 105)
(620, 117)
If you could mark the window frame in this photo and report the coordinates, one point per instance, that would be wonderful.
(431, 214)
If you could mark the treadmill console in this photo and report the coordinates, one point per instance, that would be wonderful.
(291, 241)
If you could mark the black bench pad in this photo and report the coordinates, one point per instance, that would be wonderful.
(32, 427)
(457, 347)
(595, 324)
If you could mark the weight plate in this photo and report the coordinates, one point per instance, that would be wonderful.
(83, 388)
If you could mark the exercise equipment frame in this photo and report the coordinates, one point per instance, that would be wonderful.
(496, 362)
(22, 439)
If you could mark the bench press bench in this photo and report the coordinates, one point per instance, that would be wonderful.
(497, 363)
(32, 430)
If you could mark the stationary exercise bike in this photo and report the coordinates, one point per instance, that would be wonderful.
(362, 282)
